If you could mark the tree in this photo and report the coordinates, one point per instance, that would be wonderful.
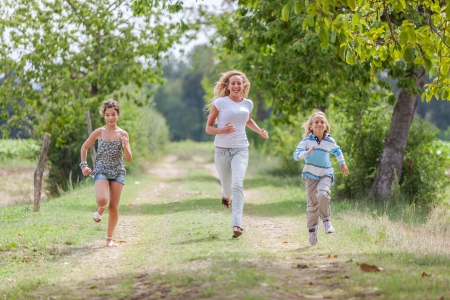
(408, 38)
(288, 63)
(60, 58)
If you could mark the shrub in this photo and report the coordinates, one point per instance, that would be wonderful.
(426, 158)
(21, 149)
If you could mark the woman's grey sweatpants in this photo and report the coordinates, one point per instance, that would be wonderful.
(318, 200)
(231, 164)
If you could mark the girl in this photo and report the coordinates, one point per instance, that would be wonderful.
(233, 112)
(315, 148)
(109, 170)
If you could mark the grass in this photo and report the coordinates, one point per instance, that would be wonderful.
(176, 243)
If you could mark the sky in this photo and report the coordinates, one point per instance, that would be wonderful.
(201, 38)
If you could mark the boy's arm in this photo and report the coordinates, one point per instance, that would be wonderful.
(301, 152)
(340, 157)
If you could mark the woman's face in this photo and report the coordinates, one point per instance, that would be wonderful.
(235, 85)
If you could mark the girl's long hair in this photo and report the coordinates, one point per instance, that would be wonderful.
(306, 125)
(221, 86)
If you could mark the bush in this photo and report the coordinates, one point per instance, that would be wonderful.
(426, 158)
(282, 143)
(362, 139)
(426, 161)
(21, 149)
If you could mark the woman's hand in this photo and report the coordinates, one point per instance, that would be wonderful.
(227, 129)
(344, 169)
(86, 170)
(263, 133)
(124, 141)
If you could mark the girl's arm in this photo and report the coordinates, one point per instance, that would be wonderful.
(126, 146)
(84, 148)
(210, 129)
(253, 126)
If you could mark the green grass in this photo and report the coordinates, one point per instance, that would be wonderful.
(178, 243)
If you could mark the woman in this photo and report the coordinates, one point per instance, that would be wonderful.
(233, 113)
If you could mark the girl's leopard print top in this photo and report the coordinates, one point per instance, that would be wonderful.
(109, 159)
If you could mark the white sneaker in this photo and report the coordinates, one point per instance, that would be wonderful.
(313, 236)
(328, 227)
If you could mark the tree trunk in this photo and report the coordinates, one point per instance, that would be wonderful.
(391, 160)
(39, 172)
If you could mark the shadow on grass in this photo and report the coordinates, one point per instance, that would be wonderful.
(287, 208)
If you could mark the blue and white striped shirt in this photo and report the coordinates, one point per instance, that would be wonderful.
(318, 164)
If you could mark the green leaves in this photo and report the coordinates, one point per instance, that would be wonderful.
(285, 13)
(402, 30)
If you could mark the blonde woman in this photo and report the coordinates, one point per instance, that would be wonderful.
(233, 112)
(315, 149)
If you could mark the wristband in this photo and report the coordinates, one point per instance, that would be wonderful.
(83, 163)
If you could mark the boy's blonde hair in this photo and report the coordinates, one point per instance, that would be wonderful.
(221, 86)
(110, 103)
(306, 125)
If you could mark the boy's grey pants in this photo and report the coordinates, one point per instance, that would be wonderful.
(231, 164)
(318, 200)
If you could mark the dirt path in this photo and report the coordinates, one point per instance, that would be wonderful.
(272, 234)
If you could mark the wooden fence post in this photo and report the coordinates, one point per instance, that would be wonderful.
(39, 172)
(92, 148)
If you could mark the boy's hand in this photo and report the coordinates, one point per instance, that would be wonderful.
(345, 170)
(310, 150)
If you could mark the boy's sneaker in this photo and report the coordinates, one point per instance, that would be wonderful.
(313, 236)
(328, 227)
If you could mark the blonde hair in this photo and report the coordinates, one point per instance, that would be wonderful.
(221, 86)
(110, 103)
(306, 125)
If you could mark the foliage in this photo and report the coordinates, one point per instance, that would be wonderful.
(424, 166)
(283, 142)
(288, 62)
(59, 59)
(21, 149)
(383, 32)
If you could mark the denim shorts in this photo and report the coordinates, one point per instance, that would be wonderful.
(119, 179)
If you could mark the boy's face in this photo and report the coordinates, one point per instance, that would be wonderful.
(318, 125)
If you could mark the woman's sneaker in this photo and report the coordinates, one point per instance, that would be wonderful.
(328, 227)
(313, 236)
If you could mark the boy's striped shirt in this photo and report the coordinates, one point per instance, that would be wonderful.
(318, 163)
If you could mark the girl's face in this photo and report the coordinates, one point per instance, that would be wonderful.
(111, 116)
(235, 85)
(318, 125)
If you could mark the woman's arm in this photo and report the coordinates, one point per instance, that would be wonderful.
(210, 129)
(253, 126)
